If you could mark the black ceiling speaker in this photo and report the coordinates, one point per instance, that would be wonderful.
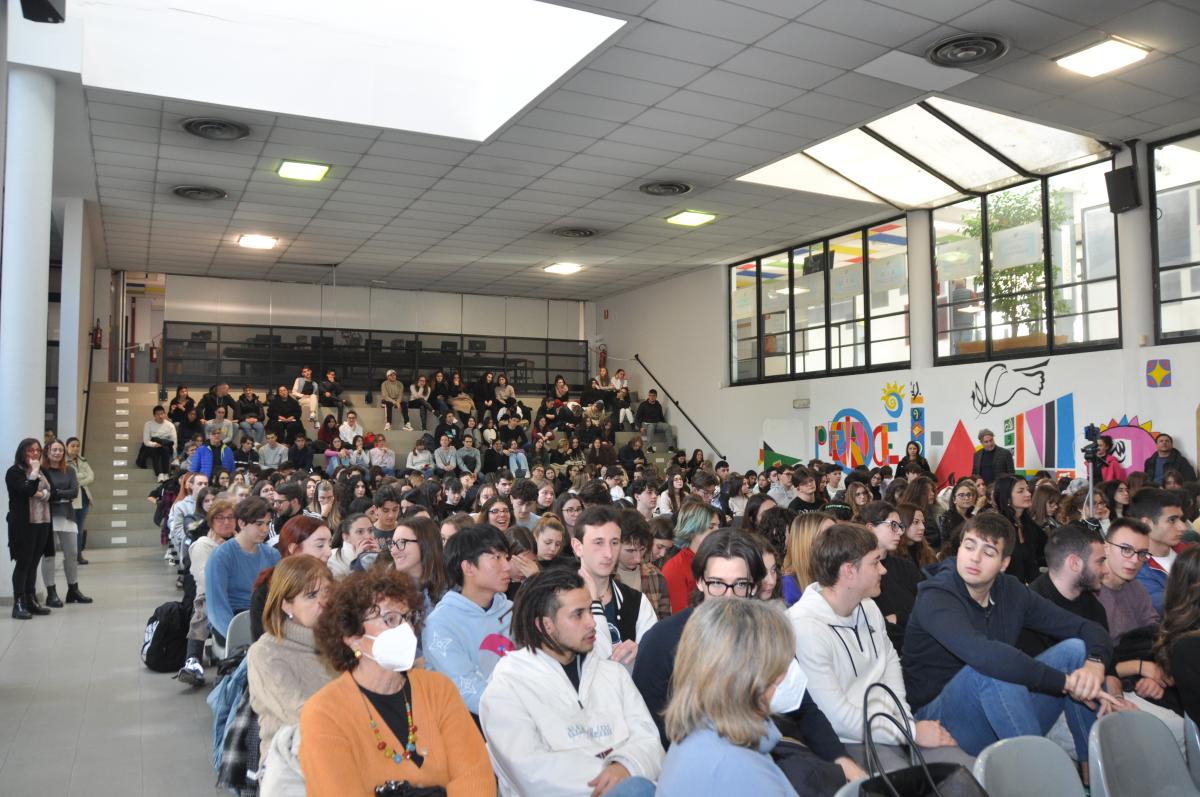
(44, 10)
(1122, 189)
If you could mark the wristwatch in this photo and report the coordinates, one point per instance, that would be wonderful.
(1096, 659)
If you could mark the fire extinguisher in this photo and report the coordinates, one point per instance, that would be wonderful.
(153, 353)
(97, 336)
(602, 355)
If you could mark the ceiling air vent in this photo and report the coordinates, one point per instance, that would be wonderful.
(199, 193)
(664, 188)
(967, 49)
(215, 129)
(573, 232)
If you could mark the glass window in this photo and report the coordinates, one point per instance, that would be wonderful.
(958, 278)
(808, 299)
(881, 170)
(847, 310)
(743, 322)
(1017, 268)
(776, 314)
(1175, 176)
(1083, 257)
(887, 273)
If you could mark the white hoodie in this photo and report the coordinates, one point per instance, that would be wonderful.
(842, 656)
(546, 739)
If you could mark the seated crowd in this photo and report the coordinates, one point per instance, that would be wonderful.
(519, 606)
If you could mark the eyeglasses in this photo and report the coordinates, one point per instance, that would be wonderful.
(1128, 551)
(498, 510)
(572, 509)
(400, 544)
(895, 524)
(390, 619)
(223, 518)
(716, 587)
(968, 496)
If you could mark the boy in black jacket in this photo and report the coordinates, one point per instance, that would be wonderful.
(961, 664)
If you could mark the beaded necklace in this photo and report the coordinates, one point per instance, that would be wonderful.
(409, 753)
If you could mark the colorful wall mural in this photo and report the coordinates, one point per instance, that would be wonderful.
(1133, 440)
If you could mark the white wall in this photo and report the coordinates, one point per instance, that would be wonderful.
(679, 328)
(228, 301)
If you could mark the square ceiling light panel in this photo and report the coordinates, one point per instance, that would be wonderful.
(457, 68)
(801, 173)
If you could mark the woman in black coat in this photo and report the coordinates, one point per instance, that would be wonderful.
(28, 525)
(912, 456)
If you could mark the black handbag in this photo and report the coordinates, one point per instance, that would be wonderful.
(919, 779)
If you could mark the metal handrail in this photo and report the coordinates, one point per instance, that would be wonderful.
(679, 407)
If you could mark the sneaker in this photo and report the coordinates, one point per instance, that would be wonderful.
(387, 427)
(408, 427)
(192, 673)
(179, 583)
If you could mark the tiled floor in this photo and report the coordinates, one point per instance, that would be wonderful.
(79, 712)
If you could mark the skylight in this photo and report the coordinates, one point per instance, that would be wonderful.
(930, 153)
(459, 68)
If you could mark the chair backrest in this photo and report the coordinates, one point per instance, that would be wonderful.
(850, 789)
(1027, 766)
(239, 633)
(1133, 754)
(1191, 733)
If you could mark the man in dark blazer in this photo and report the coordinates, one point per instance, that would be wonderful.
(991, 461)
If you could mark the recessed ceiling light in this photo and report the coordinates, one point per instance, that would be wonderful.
(1107, 56)
(563, 268)
(691, 218)
(257, 241)
(299, 170)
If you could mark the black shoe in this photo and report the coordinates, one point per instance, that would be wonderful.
(75, 596)
(20, 611)
(33, 607)
(52, 598)
(81, 560)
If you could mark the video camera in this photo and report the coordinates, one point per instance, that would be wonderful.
(1091, 433)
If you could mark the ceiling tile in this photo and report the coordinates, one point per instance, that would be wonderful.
(658, 139)
(1068, 112)
(535, 137)
(630, 153)
(637, 64)
(687, 124)
(706, 105)
(1172, 113)
(745, 88)
(869, 90)
(567, 123)
(1026, 27)
(865, 20)
(1172, 75)
(798, 124)
(714, 17)
(835, 109)
(685, 45)
(1085, 12)
(1120, 97)
(988, 91)
(937, 10)
(587, 105)
(1160, 25)
(823, 46)
(618, 87)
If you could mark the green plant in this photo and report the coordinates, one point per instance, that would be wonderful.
(1012, 288)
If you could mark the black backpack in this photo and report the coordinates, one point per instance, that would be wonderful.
(164, 646)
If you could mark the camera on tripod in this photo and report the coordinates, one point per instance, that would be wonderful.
(1091, 433)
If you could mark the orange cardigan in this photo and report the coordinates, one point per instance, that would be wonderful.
(338, 752)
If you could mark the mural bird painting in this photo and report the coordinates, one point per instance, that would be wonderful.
(1001, 384)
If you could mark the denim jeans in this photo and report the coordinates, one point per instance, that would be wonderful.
(636, 786)
(518, 464)
(977, 709)
(255, 431)
(649, 430)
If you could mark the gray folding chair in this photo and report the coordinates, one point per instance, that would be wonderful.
(1132, 754)
(1191, 735)
(850, 789)
(1027, 766)
(238, 634)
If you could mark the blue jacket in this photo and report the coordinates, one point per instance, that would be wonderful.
(1154, 579)
(949, 630)
(463, 641)
(705, 763)
(224, 700)
(202, 460)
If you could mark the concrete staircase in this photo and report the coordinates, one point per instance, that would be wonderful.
(120, 515)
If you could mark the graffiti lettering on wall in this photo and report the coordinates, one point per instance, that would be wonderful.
(1133, 440)
(850, 439)
(1158, 373)
(1001, 384)
(1043, 436)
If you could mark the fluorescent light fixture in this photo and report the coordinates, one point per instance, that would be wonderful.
(1100, 59)
(257, 241)
(801, 173)
(691, 218)
(480, 62)
(563, 268)
(299, 170)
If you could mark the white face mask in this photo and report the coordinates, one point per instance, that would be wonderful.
(790, 692)
(395, 649)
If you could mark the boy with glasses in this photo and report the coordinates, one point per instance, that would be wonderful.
(467, 633)
(1127, 603)
(222, 523)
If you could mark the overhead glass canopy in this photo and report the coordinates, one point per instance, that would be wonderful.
(928, 154)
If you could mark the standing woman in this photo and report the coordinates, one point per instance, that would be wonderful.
(28, 524)
(1013, 500)
(912, 456)
(64, 486)
(83, 501)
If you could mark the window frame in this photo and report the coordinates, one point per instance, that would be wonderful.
(1156, 271)
(1047, 291)
(822, 241)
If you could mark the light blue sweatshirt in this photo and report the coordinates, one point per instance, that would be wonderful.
(229, 579)
(464, 642)
(706, 765)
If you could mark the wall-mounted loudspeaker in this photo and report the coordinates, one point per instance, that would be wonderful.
(1122, 189)
(44, 10)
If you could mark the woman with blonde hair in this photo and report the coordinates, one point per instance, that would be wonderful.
(858, 495)
(797, 558)
(324, 503)
(731, 658)
(283, 667)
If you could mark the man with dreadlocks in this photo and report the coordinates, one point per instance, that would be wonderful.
(560, 721)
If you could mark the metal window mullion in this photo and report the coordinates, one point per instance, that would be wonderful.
(791, 313)
(827, 270)
(985, 240)
(866, 277)
(758, 317)
(1047, 265)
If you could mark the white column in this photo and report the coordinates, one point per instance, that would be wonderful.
(72, 319)
(1133, 248)
(920, 288)
(25, 259)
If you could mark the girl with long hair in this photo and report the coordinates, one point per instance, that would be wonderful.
(1177, 647)
(1013, 500)
(797, 559)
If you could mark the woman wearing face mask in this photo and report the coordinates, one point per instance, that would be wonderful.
(352, 545)
(283, 667)
(382, 720)
(301, 534)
